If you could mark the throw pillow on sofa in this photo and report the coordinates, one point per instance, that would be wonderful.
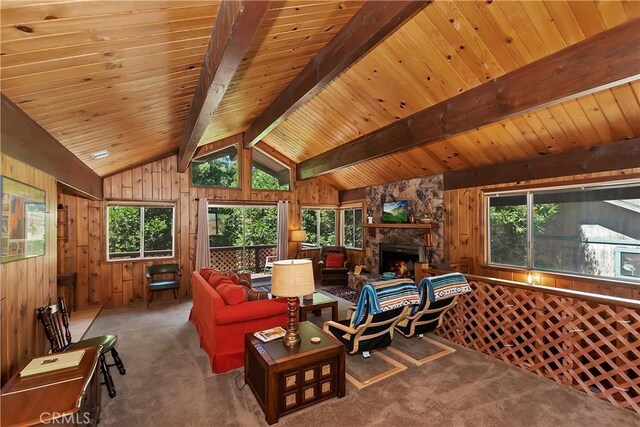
(206, 272)
(232, 294)
(217, 279)
(335, 261)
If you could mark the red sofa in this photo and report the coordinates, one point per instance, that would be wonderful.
(222, 327)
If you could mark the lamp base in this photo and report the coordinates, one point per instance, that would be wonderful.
(292, 337)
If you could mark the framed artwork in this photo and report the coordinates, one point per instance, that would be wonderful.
(24, 220)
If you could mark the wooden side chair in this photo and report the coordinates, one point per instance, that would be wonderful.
(55, 320)
(162, 283)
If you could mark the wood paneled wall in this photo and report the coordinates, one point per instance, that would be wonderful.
(465, 239)
(123, 282)
(27, 284)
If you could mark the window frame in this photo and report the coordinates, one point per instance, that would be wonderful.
(351, 207)
(335, 209)
(140, 205)
(530, 193)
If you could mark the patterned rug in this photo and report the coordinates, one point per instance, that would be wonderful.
(349, 294)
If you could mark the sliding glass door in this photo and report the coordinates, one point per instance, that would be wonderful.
(241, 237)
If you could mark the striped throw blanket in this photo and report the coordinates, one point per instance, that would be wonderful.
(440, 287)
(377, 297)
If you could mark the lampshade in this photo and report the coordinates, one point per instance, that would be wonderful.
(298, 236)
(292, 278)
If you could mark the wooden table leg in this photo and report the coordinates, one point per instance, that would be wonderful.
(303, 314)
(334, 311)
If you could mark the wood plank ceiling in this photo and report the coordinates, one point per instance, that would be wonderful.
(120, 75)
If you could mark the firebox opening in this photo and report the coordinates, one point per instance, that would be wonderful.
(400, 259)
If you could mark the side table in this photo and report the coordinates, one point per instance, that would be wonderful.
(318, 302)
(285, 379)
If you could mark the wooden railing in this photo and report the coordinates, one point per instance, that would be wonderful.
(585, 341)
(235, 258)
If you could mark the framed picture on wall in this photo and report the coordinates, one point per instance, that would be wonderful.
(24, 220)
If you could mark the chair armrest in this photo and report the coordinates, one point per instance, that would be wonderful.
(351, 310)
(321, 264)
(347, 329)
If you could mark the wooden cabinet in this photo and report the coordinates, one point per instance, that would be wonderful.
(68, 396)
(284, 379)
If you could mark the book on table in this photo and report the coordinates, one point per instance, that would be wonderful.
(52, 362)
(270, 334)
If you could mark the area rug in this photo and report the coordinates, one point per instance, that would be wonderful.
(349, 294)
(263, 288)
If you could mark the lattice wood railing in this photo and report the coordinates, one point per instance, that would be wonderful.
(584, 341)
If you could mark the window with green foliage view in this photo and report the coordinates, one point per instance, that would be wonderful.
(320, 225)
(219, 169)
(590, 230)
(137, 232)
(268, 173)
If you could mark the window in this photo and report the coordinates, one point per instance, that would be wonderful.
(590, 231)
(138, 232)
(352, 228)
(241, 237)
(320, 225)
(268, 173)
(219, 169)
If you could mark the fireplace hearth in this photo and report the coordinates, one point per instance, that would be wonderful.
(400, 259)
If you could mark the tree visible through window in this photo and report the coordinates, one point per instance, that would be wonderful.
(352, 228)
(268, 173)
(140, 232)
(219, 169)
(591, 231)
(320, 225)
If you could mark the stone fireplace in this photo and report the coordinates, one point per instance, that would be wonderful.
(425, 196)
(401, 259)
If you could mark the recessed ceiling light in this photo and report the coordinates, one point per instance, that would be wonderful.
(99, 155)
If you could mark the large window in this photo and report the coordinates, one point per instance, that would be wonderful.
(352, 227)
(590, 231)
(219, 169)
(320, 225)
(241, 237)
(268, 173)
(138, 232)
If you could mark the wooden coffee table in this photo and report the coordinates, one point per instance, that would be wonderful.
(319, 302)
(285, 379)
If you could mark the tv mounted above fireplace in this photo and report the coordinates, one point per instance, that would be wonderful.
(396, 212)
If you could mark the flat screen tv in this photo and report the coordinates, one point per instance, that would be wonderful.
(395, 211)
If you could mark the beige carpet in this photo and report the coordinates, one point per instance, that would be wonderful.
(169, 383)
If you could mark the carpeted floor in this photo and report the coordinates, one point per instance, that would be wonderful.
(169, 382)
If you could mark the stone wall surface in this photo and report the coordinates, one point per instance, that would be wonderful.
(425, 196)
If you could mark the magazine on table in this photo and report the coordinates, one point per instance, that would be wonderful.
(270, 334)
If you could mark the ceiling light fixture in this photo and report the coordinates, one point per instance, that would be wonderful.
(99, 155)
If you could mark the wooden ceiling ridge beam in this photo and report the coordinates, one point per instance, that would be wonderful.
(619, 155)
(236, 25)
(605, 60)
(367, 28)
(25, 140)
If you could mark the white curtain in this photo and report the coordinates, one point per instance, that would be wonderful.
(202, 238)
(283, 229)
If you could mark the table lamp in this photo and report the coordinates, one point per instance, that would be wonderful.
(292, 278)
(298, 236)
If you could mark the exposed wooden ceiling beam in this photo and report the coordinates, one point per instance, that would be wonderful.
(25, 140)
(236, 25)
(368, 27)
(604, 60)
(599, 158)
